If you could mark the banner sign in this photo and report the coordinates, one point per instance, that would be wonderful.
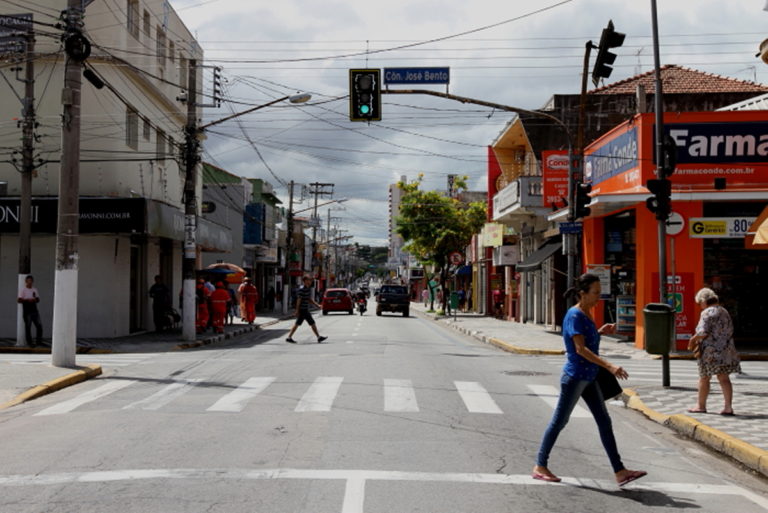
(719, 227)
(616, 156)
(554, 171)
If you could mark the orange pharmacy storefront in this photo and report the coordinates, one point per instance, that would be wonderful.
(719, 188)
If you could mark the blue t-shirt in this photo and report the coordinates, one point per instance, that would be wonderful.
(576, 322)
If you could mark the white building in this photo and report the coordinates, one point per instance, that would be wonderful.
(131, 182)
(398, 259)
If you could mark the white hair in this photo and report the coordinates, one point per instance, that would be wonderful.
(707, 295)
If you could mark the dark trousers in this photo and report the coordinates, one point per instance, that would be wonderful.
(32, 316)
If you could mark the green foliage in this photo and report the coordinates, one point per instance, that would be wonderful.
(434, 225)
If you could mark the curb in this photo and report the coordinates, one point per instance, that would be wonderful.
(84, 373)
(728, 445)
(214, 339)
(501, 344)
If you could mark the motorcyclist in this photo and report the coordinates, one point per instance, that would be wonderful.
(361, 299)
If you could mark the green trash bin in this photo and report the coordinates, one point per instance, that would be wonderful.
(454, 301)
(659, 327)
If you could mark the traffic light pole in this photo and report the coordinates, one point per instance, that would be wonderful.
(662, 221)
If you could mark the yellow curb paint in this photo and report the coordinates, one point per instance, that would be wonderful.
(743, 452)
(506, 346)
(84, 373)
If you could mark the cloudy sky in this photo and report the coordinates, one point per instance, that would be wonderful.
(518, 52)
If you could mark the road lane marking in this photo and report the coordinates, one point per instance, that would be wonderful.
(399, 396)
(164, 396)
(476, 398)
(550, 395)
(354, 494)
(320, 395)
(86, 397)
(236, 400)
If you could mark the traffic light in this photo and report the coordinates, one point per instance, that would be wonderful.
(668, 156)
(659, 203)
(609, 39)
(365, 95)
(583, 199)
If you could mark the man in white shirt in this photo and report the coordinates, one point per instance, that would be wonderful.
(29, 297)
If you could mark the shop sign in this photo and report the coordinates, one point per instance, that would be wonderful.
(602, 271)
(719, 227)
(554, 171)
(97, 215)
(614, 157)
(507, 197)
(680, 293)
(493, 234)
(506, 255)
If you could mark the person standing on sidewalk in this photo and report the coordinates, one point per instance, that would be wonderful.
(29, 297)
(219, 300)
(249, 298)
(716, 350)
(303, 301)
(161, 303)
(582, 345)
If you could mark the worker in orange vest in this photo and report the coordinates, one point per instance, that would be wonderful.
(201, 299)
(219, 300)
(249, 298)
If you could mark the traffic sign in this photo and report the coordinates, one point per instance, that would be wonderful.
(575, 227)
(417, 75)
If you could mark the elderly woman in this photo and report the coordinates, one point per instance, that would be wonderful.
(716, 351)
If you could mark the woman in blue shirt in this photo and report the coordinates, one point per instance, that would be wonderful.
(582, 344)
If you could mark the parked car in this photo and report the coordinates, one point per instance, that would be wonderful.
(337, 300)
(393, 298)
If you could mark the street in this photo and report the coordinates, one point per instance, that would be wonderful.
(390, 414)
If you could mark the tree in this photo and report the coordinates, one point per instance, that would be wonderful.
(434, 225)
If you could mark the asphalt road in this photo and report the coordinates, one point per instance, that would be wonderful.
(390, 415)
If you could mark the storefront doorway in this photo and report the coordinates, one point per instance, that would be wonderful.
(621, 255)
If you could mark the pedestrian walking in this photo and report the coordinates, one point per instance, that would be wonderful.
(29, 297)
(219, 300)
(232, 305)
(713, 343)
(249, 298)
(582, 345)
(161, 303)
(425, 297)
(303, 302)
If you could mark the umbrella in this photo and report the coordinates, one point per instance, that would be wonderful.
(234, 273)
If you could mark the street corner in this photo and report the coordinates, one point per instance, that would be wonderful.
(82, 373)
(534, 351)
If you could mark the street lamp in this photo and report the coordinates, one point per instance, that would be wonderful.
(193, 134)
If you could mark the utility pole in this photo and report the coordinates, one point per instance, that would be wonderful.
(317, 189)
(288, 251)
(64, 346)
(661, 175)
(328, 251)
(27, 169)
(189, 307)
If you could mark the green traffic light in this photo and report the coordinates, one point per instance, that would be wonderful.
(365, 109)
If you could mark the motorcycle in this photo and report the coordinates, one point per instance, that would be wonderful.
(362, 306)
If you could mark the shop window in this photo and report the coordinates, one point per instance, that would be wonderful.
(147, 24)
(160, 145)
(161, 50)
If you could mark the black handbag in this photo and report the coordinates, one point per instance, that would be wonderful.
(608, 383)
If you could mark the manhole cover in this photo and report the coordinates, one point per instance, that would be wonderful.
(526, 373)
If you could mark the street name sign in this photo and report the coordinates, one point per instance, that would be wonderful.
(575, 227)
(417, 75)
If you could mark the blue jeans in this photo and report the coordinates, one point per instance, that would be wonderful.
(570, 391)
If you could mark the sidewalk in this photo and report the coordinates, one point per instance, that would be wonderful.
(20, 383)
(742, 437)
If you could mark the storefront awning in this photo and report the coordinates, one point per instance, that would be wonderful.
(533, 261)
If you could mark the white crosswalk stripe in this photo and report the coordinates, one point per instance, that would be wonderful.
(320, 395)
(87, 397)
(476, 398)
(399, 396)
(236, 400)
(103, 360)
(550, 395)
(164, 396)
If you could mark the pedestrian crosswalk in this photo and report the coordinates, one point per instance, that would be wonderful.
(321, 395)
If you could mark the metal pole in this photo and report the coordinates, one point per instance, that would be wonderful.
(288, 251)
(662, 223)
(328, 251)
(190, 209)
(64, 332)
(28, 168)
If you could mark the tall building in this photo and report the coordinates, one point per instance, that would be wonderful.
(397, 259)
